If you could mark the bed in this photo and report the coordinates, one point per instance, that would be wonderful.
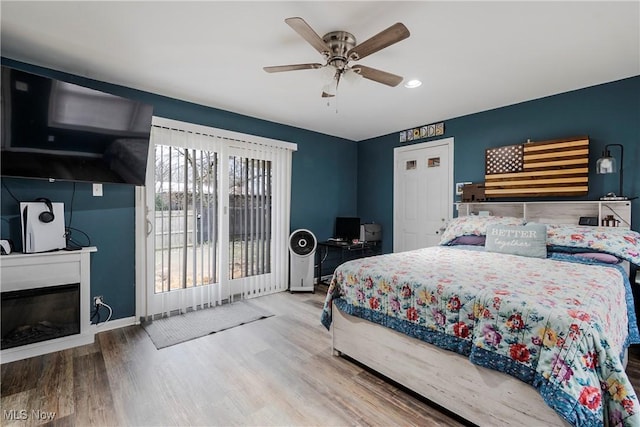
(499, 333)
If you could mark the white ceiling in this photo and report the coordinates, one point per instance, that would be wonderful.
(471, 56)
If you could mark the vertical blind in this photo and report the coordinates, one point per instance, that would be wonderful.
(186, 209)
(221, 204)
(249, 216)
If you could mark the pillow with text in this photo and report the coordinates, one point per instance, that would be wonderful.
(527, 240)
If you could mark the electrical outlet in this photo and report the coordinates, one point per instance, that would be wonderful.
(97, 190)
(98, 300)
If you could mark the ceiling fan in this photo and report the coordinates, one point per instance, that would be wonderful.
(338, 48)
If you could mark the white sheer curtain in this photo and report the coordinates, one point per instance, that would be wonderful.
(219, 202)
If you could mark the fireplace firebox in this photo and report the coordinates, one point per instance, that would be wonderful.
(45, 302)
(40, 314)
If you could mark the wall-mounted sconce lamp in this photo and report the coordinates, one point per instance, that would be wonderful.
(607, 164)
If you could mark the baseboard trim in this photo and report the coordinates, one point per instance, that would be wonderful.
(114, 324)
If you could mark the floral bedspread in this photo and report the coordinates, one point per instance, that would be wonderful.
(557, 323)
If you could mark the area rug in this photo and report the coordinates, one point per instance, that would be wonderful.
(179, 328)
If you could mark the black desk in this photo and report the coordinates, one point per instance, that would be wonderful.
(346, 250)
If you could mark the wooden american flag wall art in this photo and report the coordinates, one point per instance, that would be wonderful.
(559, 167)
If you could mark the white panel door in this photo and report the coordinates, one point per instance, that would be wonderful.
(423, 193)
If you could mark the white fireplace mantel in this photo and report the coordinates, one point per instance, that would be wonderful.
(28, 271)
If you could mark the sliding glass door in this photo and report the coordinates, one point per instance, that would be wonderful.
(185, 228)
(218, 211)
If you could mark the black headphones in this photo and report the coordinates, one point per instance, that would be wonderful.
(46, 216)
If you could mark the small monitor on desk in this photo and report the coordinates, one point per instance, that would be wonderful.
(347, 228)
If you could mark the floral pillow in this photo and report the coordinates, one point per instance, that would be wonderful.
(474, 225)
(616, 241)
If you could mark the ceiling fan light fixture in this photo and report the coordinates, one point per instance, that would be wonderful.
(352, 77)
(413, 83)
(340, 47)
(328, 73)
(330, 89)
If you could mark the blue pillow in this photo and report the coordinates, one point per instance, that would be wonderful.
(526, 240)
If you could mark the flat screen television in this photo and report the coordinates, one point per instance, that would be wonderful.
(347, 228)
(52, 129)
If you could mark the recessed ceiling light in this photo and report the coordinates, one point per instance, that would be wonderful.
(412, 84)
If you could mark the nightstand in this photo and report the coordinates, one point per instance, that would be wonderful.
(342, 252)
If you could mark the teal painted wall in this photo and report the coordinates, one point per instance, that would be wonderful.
(107, 220)
(333, 176)
(323, 186)
(607, 113)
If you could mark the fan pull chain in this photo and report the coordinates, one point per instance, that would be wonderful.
(335, 99)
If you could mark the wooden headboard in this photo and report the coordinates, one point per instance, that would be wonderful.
(568, 212)
(556, 213)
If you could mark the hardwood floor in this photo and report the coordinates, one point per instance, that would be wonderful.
(276, 371)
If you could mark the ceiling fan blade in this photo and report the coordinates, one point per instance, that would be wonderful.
(292, 67)
(391, 35)
(377, 75)
(301, 27)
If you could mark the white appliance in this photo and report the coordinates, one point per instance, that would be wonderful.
(370, 232)
(302, 250)
(42, 226)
